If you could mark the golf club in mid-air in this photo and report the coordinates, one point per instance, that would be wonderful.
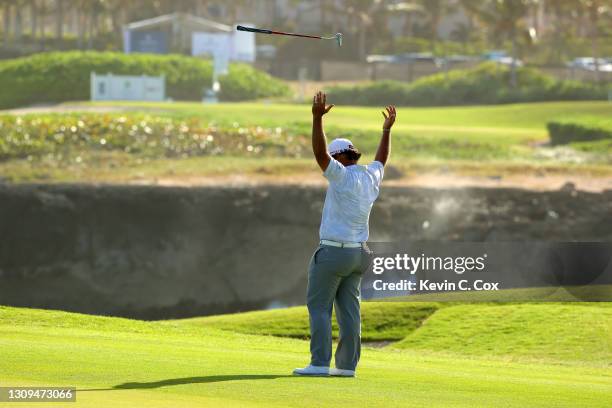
(337, 37)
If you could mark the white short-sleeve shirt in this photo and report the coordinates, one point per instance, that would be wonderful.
(350, 196)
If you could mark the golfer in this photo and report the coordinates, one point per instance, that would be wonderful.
(336, 267)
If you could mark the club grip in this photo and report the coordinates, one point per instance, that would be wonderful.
(253, 30)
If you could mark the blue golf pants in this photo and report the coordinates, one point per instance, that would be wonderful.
(334, 278)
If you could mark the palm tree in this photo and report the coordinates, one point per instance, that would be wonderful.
(233, 7)
(78, 6)
(435, 10)
(594, 10)
(115, 9)
(6, 22)
(359, 17)
(361, 14)
(462, 33)
(409, 9)
(503, 18)
(33, 18)
(563, 12)
(59, 20)
(18, 21)
(471, 8)
(95, 9)
(42, 11)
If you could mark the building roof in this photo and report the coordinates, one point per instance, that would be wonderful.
(185, 20)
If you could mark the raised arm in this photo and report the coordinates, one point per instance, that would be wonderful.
(384, 148)
(319, 144)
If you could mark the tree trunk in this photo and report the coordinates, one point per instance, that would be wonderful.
(362, 40)
(558, 34)
(434, 21)
(90, 33)
(233, 13)
(513, 79)
(80, 30)
(433, 35)
(594, 18)
(59, 16)
(408, 25)
(42, 11)
(323, 10)
(7, 18)
(33, 19)
(18, 24)
(595, 47)
(95, 26)
(115, 20)
(203, 8)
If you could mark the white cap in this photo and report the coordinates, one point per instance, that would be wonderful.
(338, 146)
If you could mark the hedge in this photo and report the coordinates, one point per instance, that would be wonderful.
(65, 76)
(579, 129)
(483, 85)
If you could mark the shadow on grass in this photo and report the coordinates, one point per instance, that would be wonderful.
(189, 380)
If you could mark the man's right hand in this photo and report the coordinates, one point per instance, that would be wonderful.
(318, 105)
(389, 117)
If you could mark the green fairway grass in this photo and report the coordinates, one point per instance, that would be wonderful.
(479, 140)
(124, 363)
(515, 116)
(493, 128)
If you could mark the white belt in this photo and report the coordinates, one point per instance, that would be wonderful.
(341, 244)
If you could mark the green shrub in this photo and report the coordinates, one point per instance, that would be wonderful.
(422, 45)
(579, 129)
(486, 84)
(65, 76)
(245, 82)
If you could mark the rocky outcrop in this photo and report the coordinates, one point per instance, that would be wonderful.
(152, 252)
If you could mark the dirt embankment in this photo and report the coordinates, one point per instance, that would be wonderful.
(155, 252)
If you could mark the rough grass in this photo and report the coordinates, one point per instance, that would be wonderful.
(484, 140)
(570, 333)
(381, 321)
(555, 332)
(125, 363)
(120, 168)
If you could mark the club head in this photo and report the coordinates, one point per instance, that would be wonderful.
(339, 39)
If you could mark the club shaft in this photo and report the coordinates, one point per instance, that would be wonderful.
(263, 31)
(296, 35)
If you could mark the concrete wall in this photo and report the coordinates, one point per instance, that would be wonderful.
(154, 252)
(578, 74)
(358, 71)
